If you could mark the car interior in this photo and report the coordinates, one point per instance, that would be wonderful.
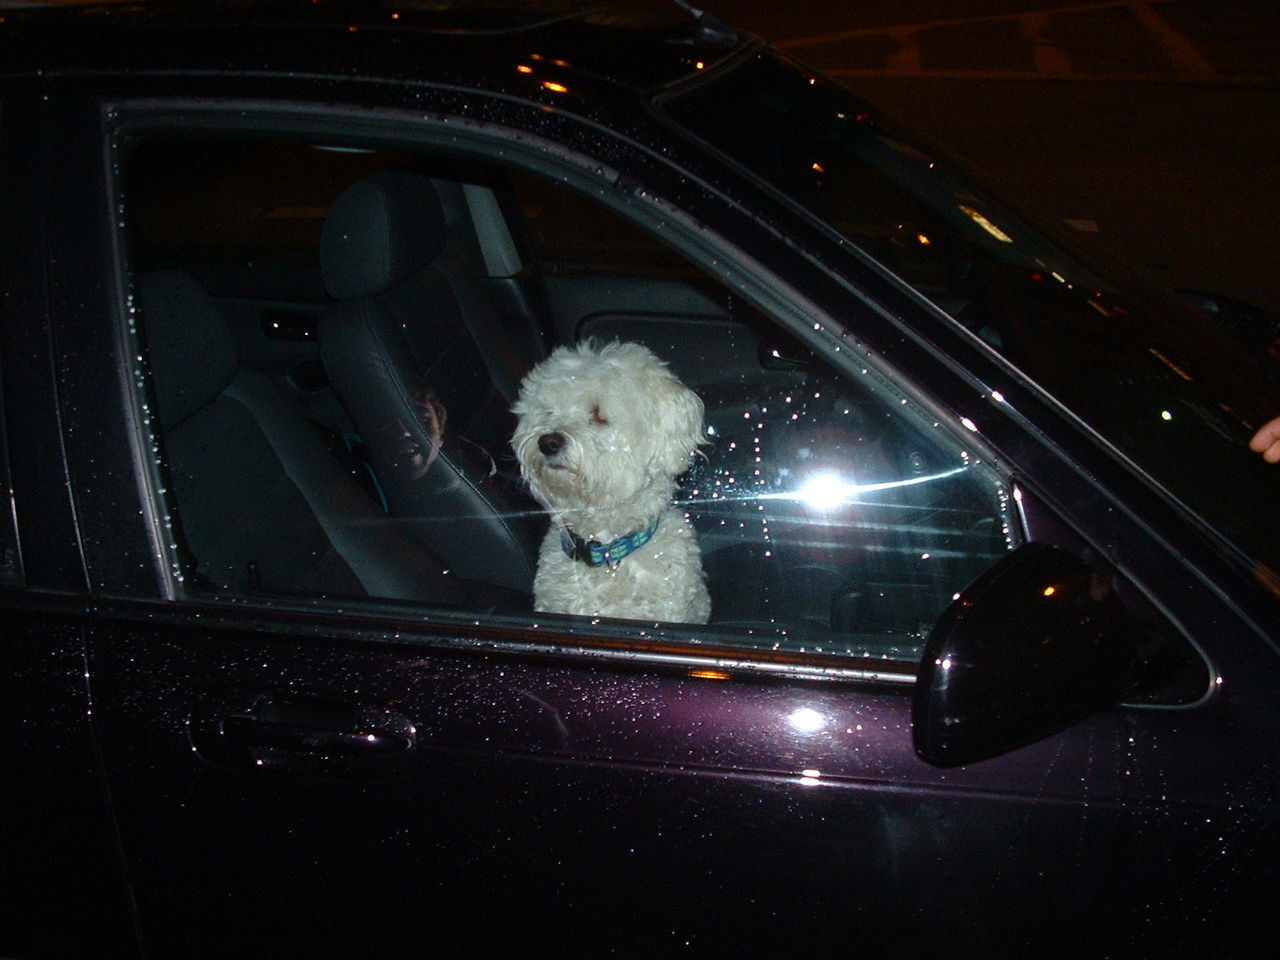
(334, 337)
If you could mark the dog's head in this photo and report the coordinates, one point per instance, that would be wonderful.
(604, 425)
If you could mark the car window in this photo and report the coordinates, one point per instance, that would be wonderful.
(832, 513)
(1176, 394)
(573, 236)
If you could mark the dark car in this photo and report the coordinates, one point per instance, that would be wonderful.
(991, 669)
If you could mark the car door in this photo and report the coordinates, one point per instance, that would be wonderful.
(63, 889)
(324, 774)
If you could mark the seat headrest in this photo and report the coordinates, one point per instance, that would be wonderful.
(193, 355)
(380, 231)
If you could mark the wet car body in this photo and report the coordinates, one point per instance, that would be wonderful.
(185, 773)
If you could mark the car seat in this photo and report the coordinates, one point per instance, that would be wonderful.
(263, 506)
(426, 370)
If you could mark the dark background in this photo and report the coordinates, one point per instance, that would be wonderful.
(1153, 127)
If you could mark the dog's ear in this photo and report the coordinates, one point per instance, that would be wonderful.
(682, 421)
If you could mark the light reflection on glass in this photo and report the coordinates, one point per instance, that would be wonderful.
(826, 491)
(977, 217)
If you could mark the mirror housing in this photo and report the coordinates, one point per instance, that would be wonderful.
(1037, 643)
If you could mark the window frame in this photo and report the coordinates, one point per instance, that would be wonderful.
(753, 280)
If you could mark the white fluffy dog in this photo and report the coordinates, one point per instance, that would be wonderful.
(603, 432)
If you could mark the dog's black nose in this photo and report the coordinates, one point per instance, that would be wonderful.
(550, 443)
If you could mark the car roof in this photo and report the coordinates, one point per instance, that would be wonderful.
(637, 45)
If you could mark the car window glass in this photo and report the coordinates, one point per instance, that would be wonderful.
(832, 513)
(573, 236)
(1169, 388)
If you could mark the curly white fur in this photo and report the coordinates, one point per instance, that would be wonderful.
(603, 432)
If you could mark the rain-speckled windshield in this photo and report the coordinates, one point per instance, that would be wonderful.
(1167, 387)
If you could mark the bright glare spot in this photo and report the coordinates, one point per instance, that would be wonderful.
(1166, 415)
(554, 87)
(997, 396)
(709, 674)
(986, 224)
(969, 424)
(824, 492)
(806, 720)
(1050, 591)
(810, 772)
(523, 68)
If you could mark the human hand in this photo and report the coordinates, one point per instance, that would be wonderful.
(1267, 441)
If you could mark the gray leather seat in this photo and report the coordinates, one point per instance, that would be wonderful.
(426, 370)
(263, 506)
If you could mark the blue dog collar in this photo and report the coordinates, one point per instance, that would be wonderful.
(596, 554)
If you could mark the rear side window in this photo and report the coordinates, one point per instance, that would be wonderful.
(832, 513)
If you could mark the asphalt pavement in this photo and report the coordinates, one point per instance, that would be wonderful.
(1152, 127)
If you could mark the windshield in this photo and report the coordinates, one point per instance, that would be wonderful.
(1166, 386)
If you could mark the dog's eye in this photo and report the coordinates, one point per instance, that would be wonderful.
(598, 416)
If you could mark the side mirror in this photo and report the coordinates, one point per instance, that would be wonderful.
(1038, 642)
